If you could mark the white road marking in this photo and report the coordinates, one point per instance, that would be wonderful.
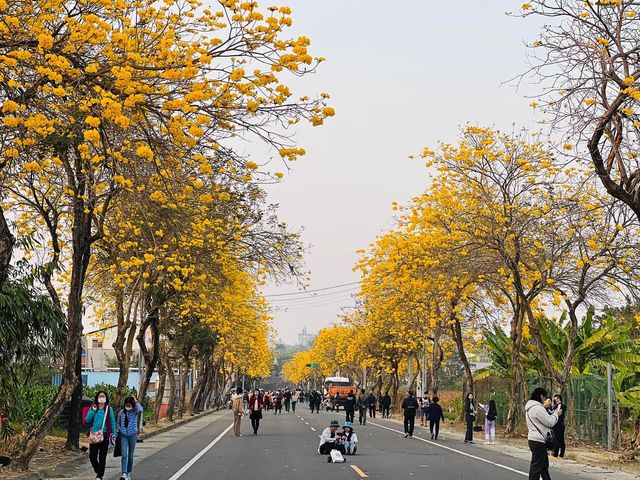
(306, 423)
(313, 429)
(499, 465)
(190, 463)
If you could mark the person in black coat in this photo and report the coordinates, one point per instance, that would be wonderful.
(435, 415)
(386, 405)
(350, 406)
(410, 407)
(470, 415)
(558, 428)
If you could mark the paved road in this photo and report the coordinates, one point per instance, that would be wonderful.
(286, 447)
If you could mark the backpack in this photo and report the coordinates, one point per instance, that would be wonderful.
(491, 416)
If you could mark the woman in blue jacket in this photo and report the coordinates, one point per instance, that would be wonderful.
(100, 416)
(128, 428)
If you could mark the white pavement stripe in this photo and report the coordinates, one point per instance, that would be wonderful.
(190, 463)
(313, 429)
(499, 465)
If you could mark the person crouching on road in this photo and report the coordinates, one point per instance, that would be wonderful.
(237, 405)
(350, 441)
(255, 410)
(128, 428)
(539, 424)
(103, 425)
(331, 439)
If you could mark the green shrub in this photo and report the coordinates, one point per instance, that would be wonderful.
(32, 400)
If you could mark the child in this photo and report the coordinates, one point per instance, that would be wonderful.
(350, 438)
(490, 422)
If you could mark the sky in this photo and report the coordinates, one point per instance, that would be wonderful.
(402, 76)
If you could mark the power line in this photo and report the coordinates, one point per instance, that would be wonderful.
(313, 297)
(312, 291)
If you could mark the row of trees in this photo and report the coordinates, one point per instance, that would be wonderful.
(124, 189)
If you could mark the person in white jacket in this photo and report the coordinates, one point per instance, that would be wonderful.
(331, 439)
(539, 424)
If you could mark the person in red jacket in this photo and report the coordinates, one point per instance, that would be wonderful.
(255, 410)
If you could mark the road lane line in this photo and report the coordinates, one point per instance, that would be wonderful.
(313, 429)
(499, 465)
(359, 472)
(190, 463)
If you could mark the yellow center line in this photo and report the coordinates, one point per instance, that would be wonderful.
(359, 472)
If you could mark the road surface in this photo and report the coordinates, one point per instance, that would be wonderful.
(286, 447)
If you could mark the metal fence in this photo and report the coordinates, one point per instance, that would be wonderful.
(585, 396)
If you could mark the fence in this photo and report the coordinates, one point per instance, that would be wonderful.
(585, 396)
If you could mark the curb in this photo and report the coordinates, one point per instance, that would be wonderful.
(82, 459)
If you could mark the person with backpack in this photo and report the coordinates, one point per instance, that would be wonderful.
(491, 413)
(435, 414)
(362, 407)
(128, 429)
(102, 430)
(410, 407)
(539, 425)
(470, 416)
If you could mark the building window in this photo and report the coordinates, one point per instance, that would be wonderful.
(96, 343)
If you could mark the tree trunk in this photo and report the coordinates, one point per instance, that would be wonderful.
(150, 357)
(516, 377)
(436, 360)
(123, 344)
(7, 241)
(162, 378)
(184, 376)
(75, 417)
(173, 392)
(81, 241)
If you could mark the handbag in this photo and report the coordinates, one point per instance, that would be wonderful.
(549, 440)
(117, 449)
(98, 437)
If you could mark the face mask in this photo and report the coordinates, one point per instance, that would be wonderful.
(256, 393)
(102, 399)
(128, 408)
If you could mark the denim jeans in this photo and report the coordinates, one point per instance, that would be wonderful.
(128, 447)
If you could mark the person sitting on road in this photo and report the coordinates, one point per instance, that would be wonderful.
(331, 439)
(350, 441)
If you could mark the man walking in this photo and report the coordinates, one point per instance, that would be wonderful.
(386, 405)
(287, 400)
(371, 403)
(295, 397)
(237, 405)
(350, 406)
(362, 407)
(409, 407)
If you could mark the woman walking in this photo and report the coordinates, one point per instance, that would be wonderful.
(539, 424)
(491, 413)
(470, 415)
(255, 410)
(128, 428)
(103, 426)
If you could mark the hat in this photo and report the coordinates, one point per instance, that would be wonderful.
(348, 424)
(334, 423)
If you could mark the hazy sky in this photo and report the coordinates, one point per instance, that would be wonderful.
(402, 75)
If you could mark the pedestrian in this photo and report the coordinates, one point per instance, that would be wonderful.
(424, 408)
(539, 424)
(470, 416)
(330, 439)
(287, 400)
(278, 403)
(548, 406)
(410, 408)
(128, 428)
(435, 415)
(350, 439)
(318, 401)
(101, 433)
(362, 407)
(386, 405)
(558, 428)
(350, 406)
(266, 401)
(491, 413)
(256, 403)
(371, 403)
(380, 403)
(237, 406)
(336, 401)
(295, 397)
